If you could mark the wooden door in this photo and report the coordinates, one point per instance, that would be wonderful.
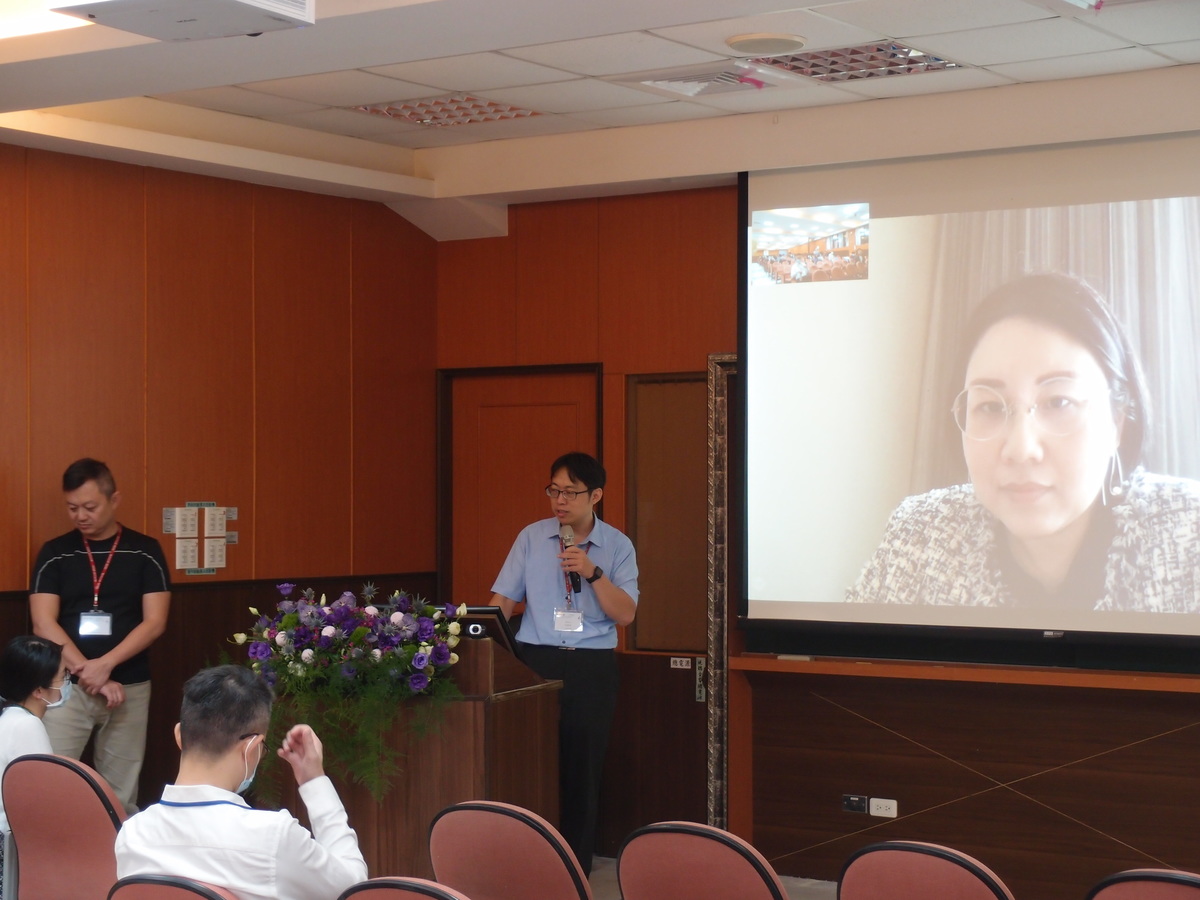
(501, 430)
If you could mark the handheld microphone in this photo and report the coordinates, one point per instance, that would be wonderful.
(566, 534)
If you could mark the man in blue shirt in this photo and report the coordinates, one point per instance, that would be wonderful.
(578, 578)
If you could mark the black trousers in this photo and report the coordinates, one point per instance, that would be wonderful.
(586, 706)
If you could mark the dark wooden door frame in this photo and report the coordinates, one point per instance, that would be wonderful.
(446, 379)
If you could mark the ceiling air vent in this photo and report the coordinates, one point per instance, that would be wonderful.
(884, 59)
(453, 109)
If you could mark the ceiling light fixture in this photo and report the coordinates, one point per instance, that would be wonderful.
(765, 44)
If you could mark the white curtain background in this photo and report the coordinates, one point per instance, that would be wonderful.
(1144, 259)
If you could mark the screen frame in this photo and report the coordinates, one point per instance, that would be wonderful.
(494, 624)
(804, 638)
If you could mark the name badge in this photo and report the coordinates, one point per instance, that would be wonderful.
(95, 624)
(568, 620)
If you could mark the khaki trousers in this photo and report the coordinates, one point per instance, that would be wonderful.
(120, 742)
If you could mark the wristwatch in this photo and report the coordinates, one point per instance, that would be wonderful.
(596, 575)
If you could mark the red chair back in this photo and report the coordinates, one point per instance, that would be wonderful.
(691, 861)
(497, 851)
(912, 870)
(166, 887)
(64, 820)
(400, 888)
(1148, 884)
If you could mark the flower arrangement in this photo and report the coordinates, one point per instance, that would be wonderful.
(347, 668)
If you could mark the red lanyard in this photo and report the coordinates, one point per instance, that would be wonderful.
(98, 579)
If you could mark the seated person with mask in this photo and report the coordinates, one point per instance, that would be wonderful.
(203, 830)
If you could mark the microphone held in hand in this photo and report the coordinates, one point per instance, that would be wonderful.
(566, 534)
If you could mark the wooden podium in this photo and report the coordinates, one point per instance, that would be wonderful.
(500, 742)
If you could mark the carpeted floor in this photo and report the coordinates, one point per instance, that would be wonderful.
(604, 884)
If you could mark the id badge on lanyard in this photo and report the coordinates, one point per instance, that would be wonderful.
(568, 617)
(96, 622)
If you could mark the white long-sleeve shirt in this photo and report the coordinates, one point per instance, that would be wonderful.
(21, 733)
(212, 835)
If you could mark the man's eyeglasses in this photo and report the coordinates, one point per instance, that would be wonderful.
(554, 493)
(982, 413)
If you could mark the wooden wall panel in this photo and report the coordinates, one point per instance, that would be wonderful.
(477, 303)
(303, 385)
(1052, 787)
(14, 378)
(87, 334)
(200, 351)
(667, 280)
(558, 319)
(395, 353)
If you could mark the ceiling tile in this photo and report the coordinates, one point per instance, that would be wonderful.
(1184, 51)
(1152, 22)
(473, 72)
(240, 101)
(1015, 43)
(349, 88)
(346, 121)
(819, 32)
(614, 54)
(531, 126)
(1128, 59)
(944, 80)
(899, 20)
(675, 111)
(572, 96)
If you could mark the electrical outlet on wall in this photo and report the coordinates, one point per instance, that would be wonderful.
(889, 809)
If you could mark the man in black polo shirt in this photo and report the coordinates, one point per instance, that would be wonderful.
(102, 591)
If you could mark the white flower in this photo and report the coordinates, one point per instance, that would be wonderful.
(281, 639)
(240, 637)
(307, 655)
(454, 628)
(462, 609)
(452, 641)
(453, 658)
(328, 631)
(371, 610)
(376, 654)
(397, 618)
(322, 599)
(425, 647)
(253, 611)
(295, 668)
(437, 614)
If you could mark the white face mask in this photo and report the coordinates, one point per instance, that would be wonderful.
(249, 774)
(64, 693)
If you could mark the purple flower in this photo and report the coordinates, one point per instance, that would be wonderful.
(420, 660)
(348, 671)
(259, 650)
(324, 642)
(441, 654)
(450, 610)
(425, 628)
(285, 588)
(417, 682)
(404, 603)
(408, 628)
(346, 600)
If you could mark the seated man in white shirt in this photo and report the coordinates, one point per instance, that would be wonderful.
(203, 829)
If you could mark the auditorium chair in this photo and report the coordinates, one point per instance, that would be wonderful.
(690, 861)
(496, 851)
(64, 819)
(400, 888)
(911, 870)
(1148, 884)
(166, 887)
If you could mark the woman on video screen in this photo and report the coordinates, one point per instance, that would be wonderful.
(1053, 415)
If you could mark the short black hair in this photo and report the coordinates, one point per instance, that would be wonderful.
(87, 469)
(582, 468)
(1073, 307)
(28, 662)
(221, 705)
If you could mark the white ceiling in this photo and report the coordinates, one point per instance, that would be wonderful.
(578, 64)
